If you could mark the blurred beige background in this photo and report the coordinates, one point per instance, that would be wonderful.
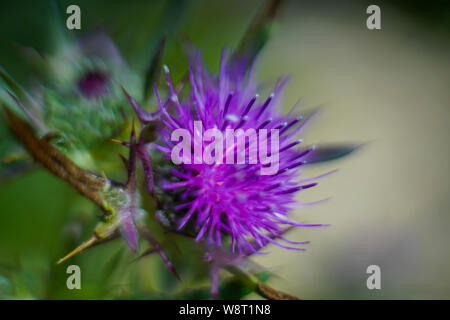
(390, 202)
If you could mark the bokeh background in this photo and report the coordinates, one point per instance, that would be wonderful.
(388, 88)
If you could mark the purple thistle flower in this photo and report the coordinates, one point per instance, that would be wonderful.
(234, 199)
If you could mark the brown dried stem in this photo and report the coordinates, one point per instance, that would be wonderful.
(55, 161)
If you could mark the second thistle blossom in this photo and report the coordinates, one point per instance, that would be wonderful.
(235, 201)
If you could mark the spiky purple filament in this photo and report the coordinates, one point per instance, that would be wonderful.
(234, 199)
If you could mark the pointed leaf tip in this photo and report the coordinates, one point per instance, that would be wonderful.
(329, 152)
(143, 115)
(85, 245)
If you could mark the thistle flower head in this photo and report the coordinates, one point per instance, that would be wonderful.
(76, 94)
(234, 201)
